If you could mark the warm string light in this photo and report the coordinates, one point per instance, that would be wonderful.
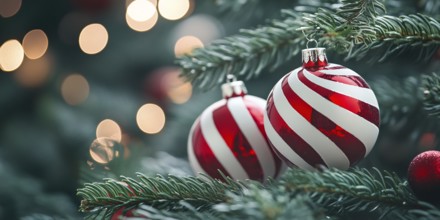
(141, 10)
(109, 129)
(9, 8)
(35, 44)
(34, 73)
(186, 44)
(142, 26)
(11, 55)
(173, 9)
(150, 118)
(93, 38)
(75, 89)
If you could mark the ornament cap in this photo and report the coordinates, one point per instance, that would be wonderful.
(233, 88)
(314, 57)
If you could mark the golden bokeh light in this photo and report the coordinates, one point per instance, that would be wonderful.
(93, 38)
(128, 2)
(35, 44)
(142, 26)
(102, 150)
(150, 118)
(34, 73)
(141, 10)
(186, 44)
(173, 9)
(109, 129)
(178, 91)
(11, 55)
(75, 89)
(9, 8)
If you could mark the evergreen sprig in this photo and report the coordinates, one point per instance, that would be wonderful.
(245, 54)
(329, 192)
(102, 199)
(355, 29)
(431, 91)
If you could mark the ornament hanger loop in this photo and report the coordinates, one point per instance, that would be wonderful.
(309, 39)
(230, 78)
(312, 40)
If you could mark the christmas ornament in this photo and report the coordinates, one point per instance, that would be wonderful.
(321, 114)
(424, 176)
(229, 136)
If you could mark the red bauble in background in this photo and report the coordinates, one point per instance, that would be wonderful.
(424, 176)
(229, 136)
(322, 114)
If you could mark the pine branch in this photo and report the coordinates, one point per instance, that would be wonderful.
(355, 29)
(399, 99)
(395, 35)
(360, 190)
(245, 54)
(431, 90)
(339, 193)
(105, 198)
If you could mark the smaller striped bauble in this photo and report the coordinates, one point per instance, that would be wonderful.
(322, 114)
(229, 137)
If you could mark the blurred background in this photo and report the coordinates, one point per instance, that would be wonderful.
(90, 89)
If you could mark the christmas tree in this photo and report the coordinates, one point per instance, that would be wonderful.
(117, 117)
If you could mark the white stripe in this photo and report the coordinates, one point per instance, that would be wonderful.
(283, 147)
(218, 146)
(362, 129)
(338, 72)
(364, 94)
(253, 135)
(191, 155)
(330, 153)
(257, 100)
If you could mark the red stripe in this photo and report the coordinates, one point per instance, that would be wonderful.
(237, 142)
(345, 79)
(358, 107)
(350, 145)
(258, 117)
(296, 143)
(203, 153)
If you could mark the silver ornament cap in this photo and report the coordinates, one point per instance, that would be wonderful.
(314, 57)
(233, 88)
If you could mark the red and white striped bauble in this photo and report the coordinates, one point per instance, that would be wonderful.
(322, 114)
(229, 137)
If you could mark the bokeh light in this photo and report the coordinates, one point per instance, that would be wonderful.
(9, 8)
(141, 10)
(109, 129)
(142, 26)
(186, 44)
(34, 73)
(75, 89)
(11, 55)
(102, 150)
(93, 38)
(178, 90)
(35, 44)
(173, 9)
(204, 27)
(150, 118)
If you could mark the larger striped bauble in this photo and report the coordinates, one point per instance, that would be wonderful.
(229, 137)
(322, 114)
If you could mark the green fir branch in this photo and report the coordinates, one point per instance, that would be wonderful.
(105, 198)
(246, 54)
(431, 91)
(359, 190)
(332, 192)
(356, 29)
